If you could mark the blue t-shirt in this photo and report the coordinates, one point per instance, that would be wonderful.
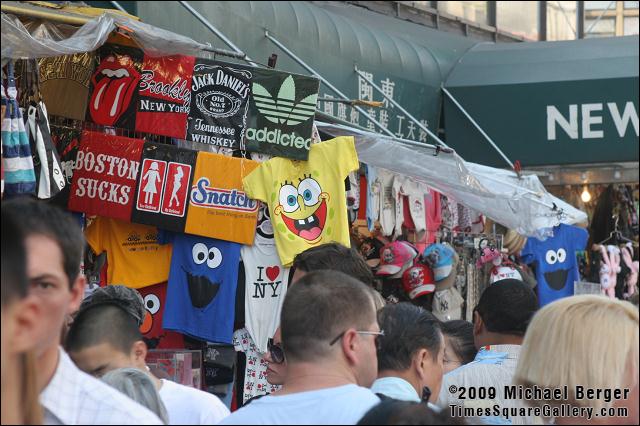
(556, 264)
(201, 295)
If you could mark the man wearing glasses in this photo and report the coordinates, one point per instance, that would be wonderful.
(329, 332)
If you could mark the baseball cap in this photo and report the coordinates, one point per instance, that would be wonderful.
(395, 256)
(418, 281)
(124, 297)
(440, 258)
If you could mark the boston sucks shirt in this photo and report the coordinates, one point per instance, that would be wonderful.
(202, 287)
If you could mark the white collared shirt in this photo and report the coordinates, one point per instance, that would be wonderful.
(400, 389)
(73, 397)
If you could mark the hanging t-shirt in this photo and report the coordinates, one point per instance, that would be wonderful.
(106, 170)
(373, 197)
(255, 379)
(307, 198)
(202, 287)
(218, 208)
(135, 258)
(387, 202)
(154, 335)
(266, 282)
(433, 215)
(555, 259)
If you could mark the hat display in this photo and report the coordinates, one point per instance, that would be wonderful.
(418, 281)
(395, 257)
(447, 304)
(441, 259)
(504, 272)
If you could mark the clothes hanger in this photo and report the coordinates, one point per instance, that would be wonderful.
(617, 236)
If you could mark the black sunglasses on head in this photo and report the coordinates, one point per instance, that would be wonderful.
(276, 352)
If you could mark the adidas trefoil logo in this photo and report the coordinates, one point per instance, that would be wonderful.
(283, 110)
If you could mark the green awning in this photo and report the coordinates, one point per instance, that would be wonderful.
(411, 59)
(547, 103)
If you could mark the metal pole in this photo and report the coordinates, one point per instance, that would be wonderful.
(117, 6)
(397, 105)
(478, 127)
(588, 31)
(326, 83)
(217, 32)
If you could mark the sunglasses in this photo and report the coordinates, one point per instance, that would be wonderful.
(276, 352)
(366, 333)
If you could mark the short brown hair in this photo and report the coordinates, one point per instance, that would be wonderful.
(319, 307)
(335, 257)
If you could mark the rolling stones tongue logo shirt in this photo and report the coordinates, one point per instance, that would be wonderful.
(306, 198)
(113, 91)
(154, 335)
(134, 257)
(202, 287)
(555, 259)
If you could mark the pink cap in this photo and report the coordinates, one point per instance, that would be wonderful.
(394, 256)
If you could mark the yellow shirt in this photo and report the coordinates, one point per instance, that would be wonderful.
(306, 199)
(134, 257)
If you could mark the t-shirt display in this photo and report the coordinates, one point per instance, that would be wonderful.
(134, 256)
(306, 198)
(218, 207)
(106, 171)
(202, 287)
(152, 332)
(255, 379)
(555, 261)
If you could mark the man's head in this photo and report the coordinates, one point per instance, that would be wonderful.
(330, 318)
(54, 244)
(412, 346)
(105, 337)
(335, 257)
(503, 314)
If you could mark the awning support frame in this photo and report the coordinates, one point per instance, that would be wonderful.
(397, 105)
(477, 126)
(325, 81)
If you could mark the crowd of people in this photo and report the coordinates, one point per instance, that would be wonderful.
(340, 355)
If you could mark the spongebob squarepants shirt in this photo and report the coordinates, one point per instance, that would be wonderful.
(306, 199)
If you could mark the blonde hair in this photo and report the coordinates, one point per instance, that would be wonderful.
(591, 341)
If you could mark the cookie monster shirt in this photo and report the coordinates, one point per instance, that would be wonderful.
(202, 287)
(555, 259)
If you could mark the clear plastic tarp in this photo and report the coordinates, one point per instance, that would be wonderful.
(521, 204)
(52, 39)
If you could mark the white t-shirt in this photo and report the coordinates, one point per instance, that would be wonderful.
(266, 282)
(343, 405)
(387, 202)
(189, 406)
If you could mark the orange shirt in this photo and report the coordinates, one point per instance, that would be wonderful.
(218, 207)
(134, 256)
